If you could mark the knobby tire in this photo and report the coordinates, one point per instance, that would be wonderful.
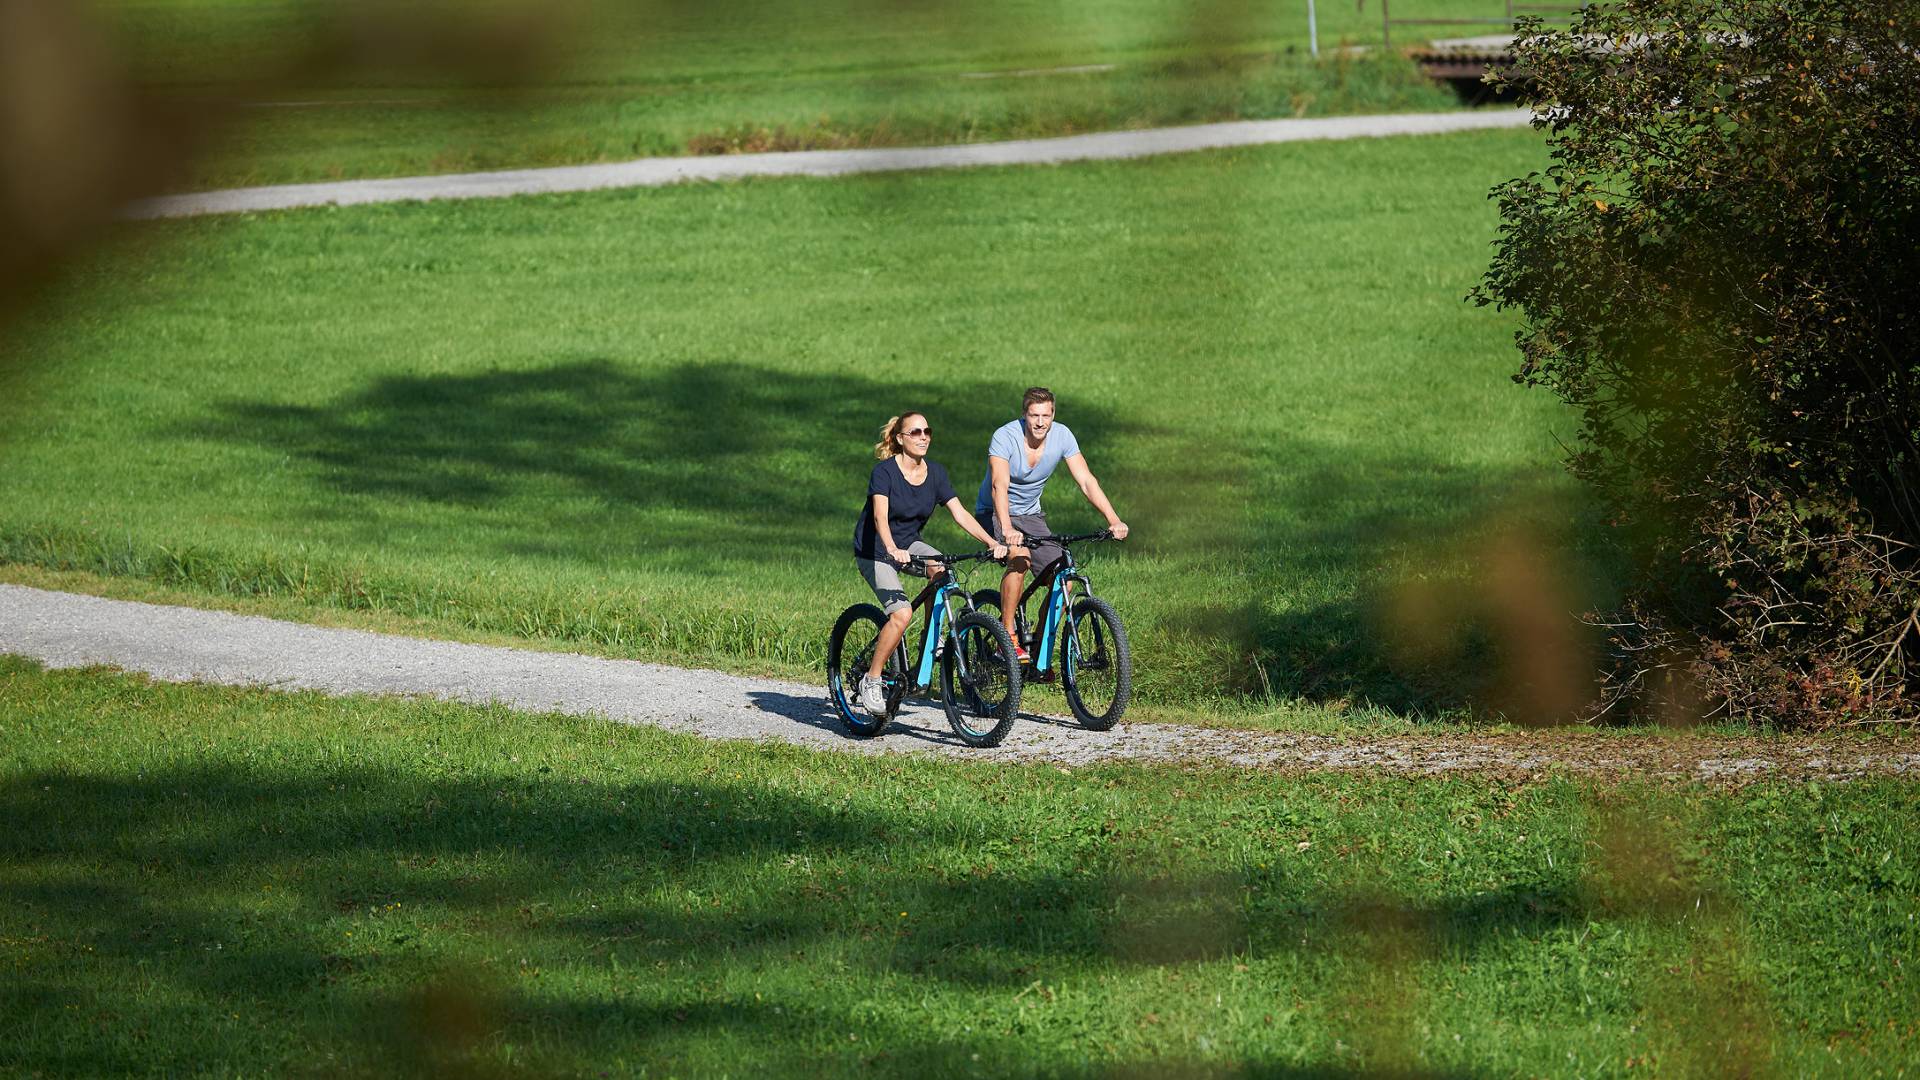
(983, 708)
(849, 651)
(1096, 665)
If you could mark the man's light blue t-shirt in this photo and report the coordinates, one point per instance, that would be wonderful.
(1023, 484)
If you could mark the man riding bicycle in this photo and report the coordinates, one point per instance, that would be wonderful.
(1021, 456)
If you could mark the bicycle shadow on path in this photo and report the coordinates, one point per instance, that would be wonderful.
(916, 720)
(922, 722)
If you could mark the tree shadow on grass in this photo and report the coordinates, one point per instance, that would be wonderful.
(725, 471)
(678, 460)
(343, 899)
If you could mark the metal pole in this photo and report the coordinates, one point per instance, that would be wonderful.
(1386, 28)
(1313, 32)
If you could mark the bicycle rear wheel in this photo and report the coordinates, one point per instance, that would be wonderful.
(987, 601)
(1096, 665)
(849, 651)
(982, 700)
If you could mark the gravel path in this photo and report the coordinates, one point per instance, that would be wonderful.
(652, 172)
(179, 644)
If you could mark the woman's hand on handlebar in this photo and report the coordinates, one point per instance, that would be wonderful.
(1118, 529)
(999, 550)
(899, 557)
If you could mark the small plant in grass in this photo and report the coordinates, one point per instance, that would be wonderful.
(1721, 272)
(749, 139)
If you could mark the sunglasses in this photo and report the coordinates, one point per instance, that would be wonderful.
(914, 433)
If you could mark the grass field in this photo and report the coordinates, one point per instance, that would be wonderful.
(638, 422)
(324, 91)
(226, 882)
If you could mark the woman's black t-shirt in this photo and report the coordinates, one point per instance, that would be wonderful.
(908, 506)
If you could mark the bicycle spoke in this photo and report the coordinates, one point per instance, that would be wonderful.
(1098, 672)
(980, 686)
(850, 650)
(986, 672)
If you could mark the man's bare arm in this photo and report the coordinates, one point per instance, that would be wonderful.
(1090, 487)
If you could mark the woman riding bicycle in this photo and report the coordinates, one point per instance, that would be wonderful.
(902, 493)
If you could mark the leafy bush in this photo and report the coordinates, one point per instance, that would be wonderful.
(1720, 271)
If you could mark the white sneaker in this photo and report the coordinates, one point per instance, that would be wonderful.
(873, 695)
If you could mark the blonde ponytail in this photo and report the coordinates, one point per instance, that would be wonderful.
(884, 448)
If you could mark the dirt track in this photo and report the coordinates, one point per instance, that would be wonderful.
(185, 644)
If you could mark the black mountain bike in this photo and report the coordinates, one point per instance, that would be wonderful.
(1096, 665)
(979, 677)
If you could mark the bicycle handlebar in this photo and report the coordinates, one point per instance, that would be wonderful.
(1077, 538)
(925, 559)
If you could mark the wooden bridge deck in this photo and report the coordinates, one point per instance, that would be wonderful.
(1463, 62)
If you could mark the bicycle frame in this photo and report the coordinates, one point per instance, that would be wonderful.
(940, 600)
(1053, 612)
(939, 616)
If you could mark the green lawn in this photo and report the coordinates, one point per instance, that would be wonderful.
(233, 882)
(639, 422)
(323, 93)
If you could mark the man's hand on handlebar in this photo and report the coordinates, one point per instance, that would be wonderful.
(1118, 529)
(900, 558)
(1015, 537)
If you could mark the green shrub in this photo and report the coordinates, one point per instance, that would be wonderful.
(1721, 272)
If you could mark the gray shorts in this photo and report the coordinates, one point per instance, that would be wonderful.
(884, 577)
(1046, 554)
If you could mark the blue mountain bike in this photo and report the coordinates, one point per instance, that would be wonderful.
(979, 677)
(1084, 633)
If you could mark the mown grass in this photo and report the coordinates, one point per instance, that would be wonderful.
(235, 882)
(600, 81)
(639, 422)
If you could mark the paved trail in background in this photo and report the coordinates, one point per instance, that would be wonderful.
(653, 172)
(64, 630)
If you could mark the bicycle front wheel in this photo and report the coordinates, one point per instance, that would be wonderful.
(980, 680)
(1096, 666)
(849, 651)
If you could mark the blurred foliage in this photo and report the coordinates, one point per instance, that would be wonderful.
(85, 125)
(1719, 271)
